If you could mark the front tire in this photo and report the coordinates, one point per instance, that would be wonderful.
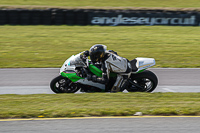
(61, 84)
(146, 81)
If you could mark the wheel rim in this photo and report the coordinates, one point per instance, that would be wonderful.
(145, 83)
(65, 85)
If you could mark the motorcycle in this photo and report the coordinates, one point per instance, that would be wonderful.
(73, 76)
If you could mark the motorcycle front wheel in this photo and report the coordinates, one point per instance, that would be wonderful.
(61, 84)
(145, 81)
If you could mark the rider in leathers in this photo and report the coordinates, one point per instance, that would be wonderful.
(111, 62)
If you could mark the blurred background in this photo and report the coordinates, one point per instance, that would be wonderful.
(43, 33)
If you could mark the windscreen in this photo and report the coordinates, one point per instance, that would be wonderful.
(76, 60)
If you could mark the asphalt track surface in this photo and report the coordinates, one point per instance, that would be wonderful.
(36, 80)
(104, 125)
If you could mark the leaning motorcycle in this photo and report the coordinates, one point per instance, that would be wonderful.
(73, 76)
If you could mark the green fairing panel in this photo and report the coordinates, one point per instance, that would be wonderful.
(98, 72)
(72, 76)
(95, 70)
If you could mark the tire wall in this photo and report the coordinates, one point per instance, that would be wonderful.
(98, 17)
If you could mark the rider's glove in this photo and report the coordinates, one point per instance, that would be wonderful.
(86, 53)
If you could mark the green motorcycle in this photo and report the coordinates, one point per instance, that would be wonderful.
(73, 77)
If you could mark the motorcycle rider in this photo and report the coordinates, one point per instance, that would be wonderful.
(110, 62)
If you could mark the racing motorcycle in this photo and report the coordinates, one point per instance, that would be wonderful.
(73, 76)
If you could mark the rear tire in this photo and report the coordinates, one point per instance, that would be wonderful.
(61, 84)
(147, 80)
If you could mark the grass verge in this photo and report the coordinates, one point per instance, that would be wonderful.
(105, 3)
(98, 104)
(50, 46)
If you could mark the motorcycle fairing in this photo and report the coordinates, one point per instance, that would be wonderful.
(86, 82)
(95, 70)
(71, 75)
(69, 66)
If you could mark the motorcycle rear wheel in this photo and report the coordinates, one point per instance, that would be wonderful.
(61, 84)
(146, 82)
